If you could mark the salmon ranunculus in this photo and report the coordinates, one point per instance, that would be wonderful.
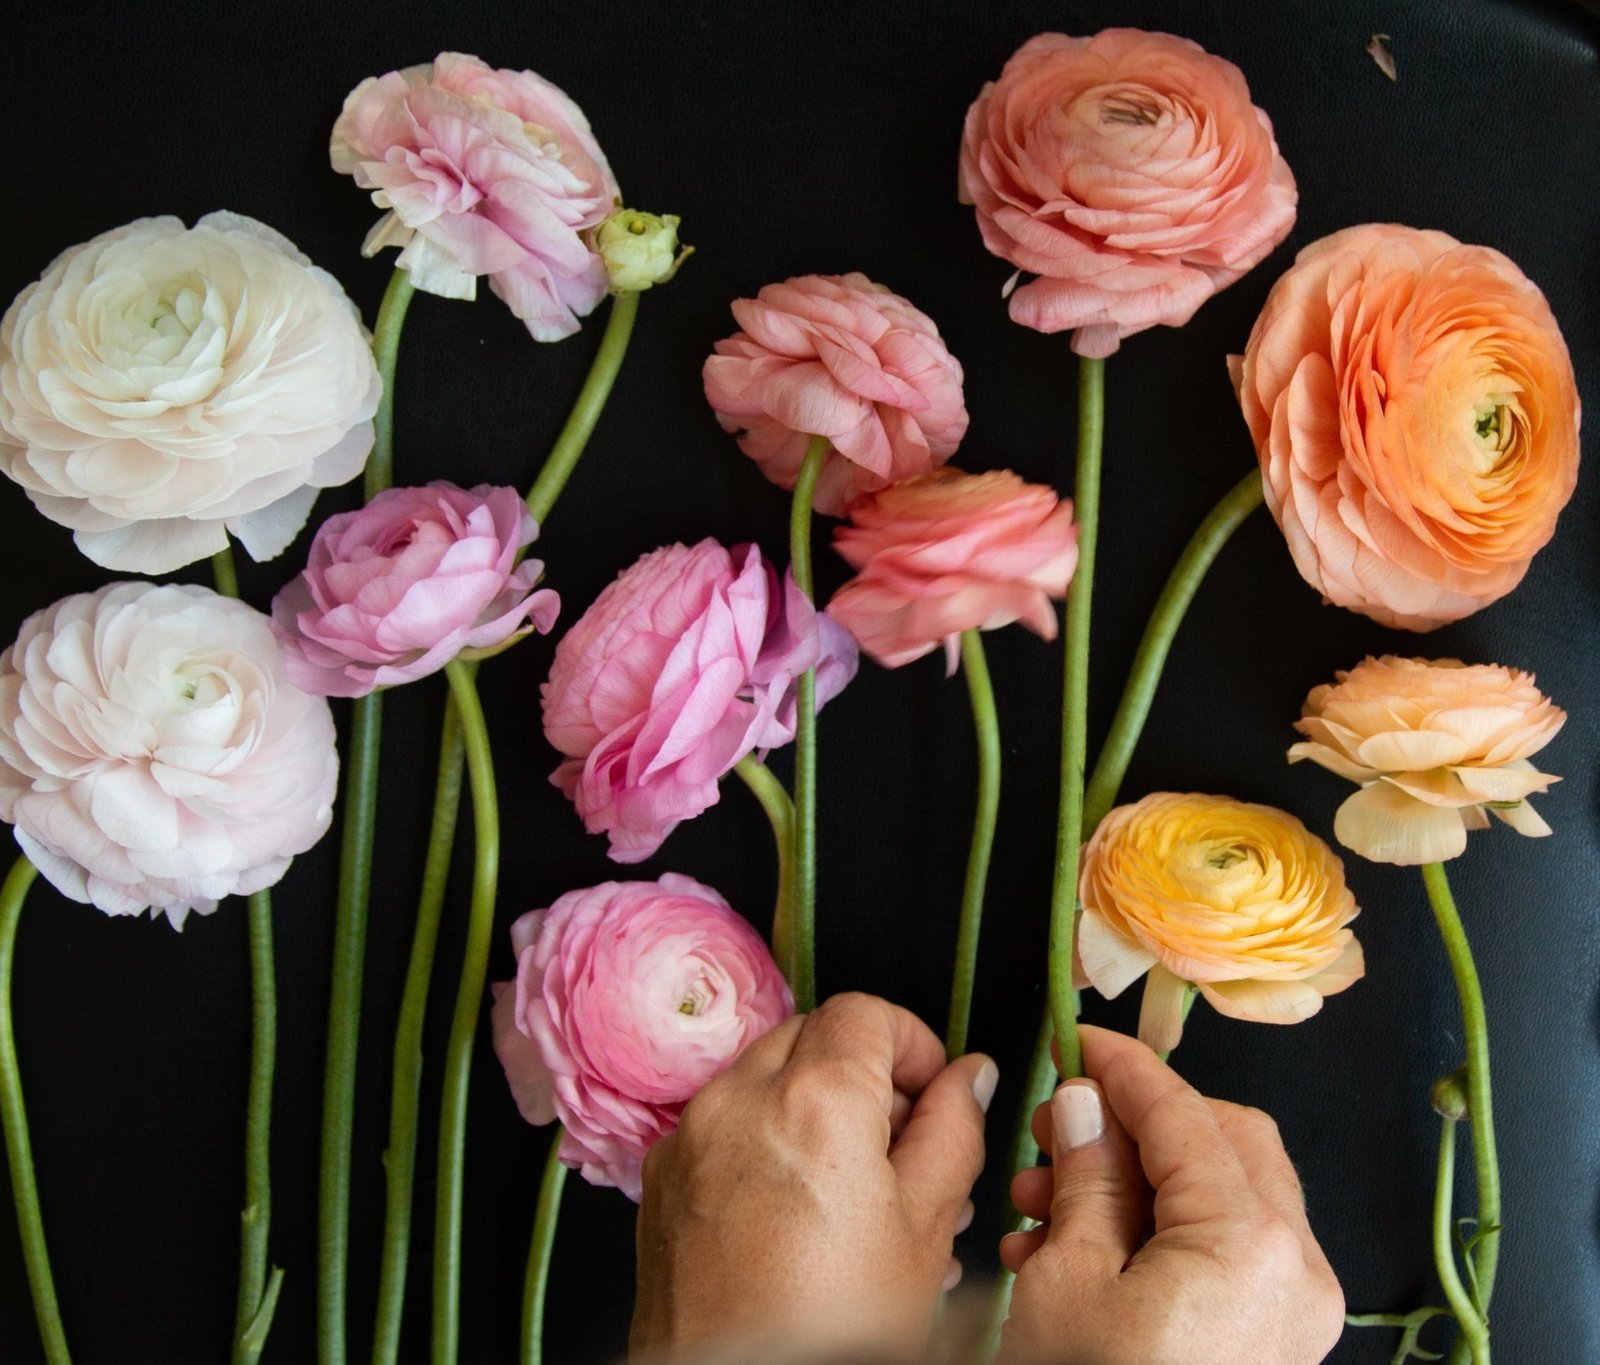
(841, 357)
(1416, 417)
(1436, 747)
(946, 552)
(1130, 173)
(1241, 900)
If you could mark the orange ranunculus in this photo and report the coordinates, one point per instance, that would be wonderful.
(1416, 417)
(1241, 900)
(1435, 746)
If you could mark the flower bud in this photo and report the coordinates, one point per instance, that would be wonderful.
(1449, 1095)
(639, 249)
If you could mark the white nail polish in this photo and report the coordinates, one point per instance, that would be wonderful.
(1077, 1116)
(983, 1085)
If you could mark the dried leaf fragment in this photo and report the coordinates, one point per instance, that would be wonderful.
(1378, 50)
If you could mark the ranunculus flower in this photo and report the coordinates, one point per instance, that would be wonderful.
(1241, 900)
(629, 997)
(1130, 173)
(841, 357)
(483, 172)
(396, 589)
(945, 552)
(681, 667)
(153, 752)
(162, 386)
(1436, 746)
(1414, 409)
(640, 250)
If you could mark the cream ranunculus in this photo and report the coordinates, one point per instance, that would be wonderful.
(1241, 900)
(1436, 746)
(162, 386)
(153, 752)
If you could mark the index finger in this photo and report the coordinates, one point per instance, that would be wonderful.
(871, 1043)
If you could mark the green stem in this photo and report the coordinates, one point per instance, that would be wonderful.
(540, 1253)
(253, 1312)
(1473, 1330)
(804, 980)
(586, 411)
(1074, 713)
(19, 1149)
(1486, 1254)
(464, 1024)
(385, 350)
(780, 815)
(400, 1158)
(986, 723)
(223, 571)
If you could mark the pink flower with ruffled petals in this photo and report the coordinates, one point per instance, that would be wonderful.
(483, 172)
(629, 997)
(841, 357)
(681, 667)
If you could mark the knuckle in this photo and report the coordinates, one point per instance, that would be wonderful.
(816, 1096)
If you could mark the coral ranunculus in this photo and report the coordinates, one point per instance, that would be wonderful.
(1415, 413)
(1241, 900)
(1130, 173)
(841, 357)
(1436, 747)
(153, 752)
(681, 667)
(396, 589)
(629, 997)
(945, 552)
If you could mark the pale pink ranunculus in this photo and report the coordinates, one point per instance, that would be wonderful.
(153, 752)
(946, 552)
(1130, 173)
(681, 667)
(482, 172)
(841, 357)
(396, 589)
(629, 997)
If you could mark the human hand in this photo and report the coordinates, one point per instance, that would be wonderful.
(1203, 1256)
(813, 1190)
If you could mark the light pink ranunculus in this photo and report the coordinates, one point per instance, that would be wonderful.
(153, 752)
(681, 667)
(841, 357)
(483, 172)
(629, 997)
(396, 589)
(1130, 173)
(946, 552)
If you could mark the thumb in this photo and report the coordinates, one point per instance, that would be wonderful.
(940, 1154)
(1100, 1207)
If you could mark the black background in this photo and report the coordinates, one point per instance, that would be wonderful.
(801, 138)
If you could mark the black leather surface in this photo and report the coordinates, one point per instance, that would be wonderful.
(792, 139)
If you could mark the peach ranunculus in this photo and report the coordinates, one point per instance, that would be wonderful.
(946, 552)
(1240, 900)
(1130, 173)
(1416, 417)
(1436, 746)
(841, 357)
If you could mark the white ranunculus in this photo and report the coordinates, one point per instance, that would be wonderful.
(162, 386)
(153, 752)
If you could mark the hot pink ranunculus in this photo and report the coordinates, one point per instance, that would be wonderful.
(483, 172)
(841, 357)
(1130, 173)
(396, 589)
(629, 997)
(946, 552)
(681, 667)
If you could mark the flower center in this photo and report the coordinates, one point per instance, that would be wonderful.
(1129, 108)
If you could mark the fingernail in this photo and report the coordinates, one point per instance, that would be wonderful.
(1076, 1115)
(983, 1085)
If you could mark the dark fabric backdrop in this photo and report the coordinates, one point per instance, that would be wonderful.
(793, 139)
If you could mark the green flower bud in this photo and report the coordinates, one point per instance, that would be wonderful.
(639, 249)
(1449, 1095)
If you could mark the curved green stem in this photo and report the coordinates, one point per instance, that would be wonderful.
(1475, 1027)
(986, 723)
(385, 350)
(780, 815)
(223, 571)
(19, 1148)
(1473, 1330)
(254, 1308)
(586, 411)
(464, 1024)
(1074, 713)
(400, 1157)
(540, 1253)
(804, 979)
